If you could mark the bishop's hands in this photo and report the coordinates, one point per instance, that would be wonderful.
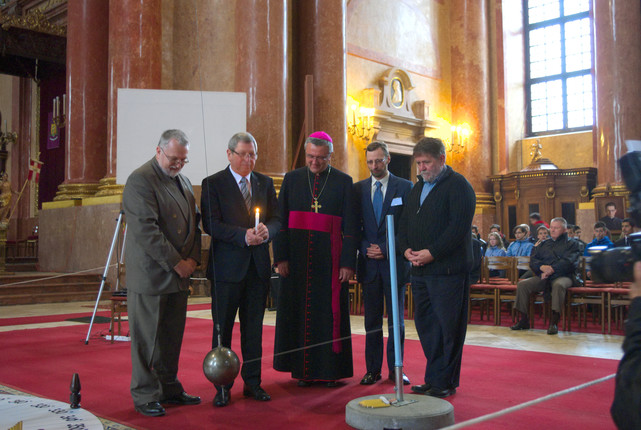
(418, 258)
(256, 236)
(185, 267)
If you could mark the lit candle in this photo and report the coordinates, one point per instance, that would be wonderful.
(257, 218)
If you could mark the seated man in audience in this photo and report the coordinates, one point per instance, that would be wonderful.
(572, 235)
(475, 233)
(522, 246)
(600, 238)
(553, 264)
(627, 228)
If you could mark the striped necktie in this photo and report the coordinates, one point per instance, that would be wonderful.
(245, 191)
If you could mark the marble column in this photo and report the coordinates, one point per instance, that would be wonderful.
(617, 40)
(319, 50)
(470, 94)
(261, 73)
(86, 104)
(135, 61)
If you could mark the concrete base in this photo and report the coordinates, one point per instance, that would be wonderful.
(426, 413)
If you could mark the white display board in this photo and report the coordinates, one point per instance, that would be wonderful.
(208, 118)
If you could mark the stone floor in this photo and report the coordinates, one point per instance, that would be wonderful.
(571, 343)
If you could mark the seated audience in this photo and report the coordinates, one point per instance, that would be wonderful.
(495, 249)
(553, 263)
(572, 235)
(542, 234)
(522, 245)
(600, 238)
(477, 252)
(495, 228)
(536, 221)
(627, 228)
(475, 233)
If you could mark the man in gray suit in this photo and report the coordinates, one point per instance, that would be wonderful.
(162, 251)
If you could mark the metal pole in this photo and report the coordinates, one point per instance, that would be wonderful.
(398, 361)
(104, 275)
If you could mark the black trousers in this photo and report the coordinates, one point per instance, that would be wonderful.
(248, 298)
(441, 322)
(374, 294)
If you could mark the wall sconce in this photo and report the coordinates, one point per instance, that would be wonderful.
(60, 120)
(359, 120)
(460, 136)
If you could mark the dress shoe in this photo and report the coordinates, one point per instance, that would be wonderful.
(222, 397)
(151, 409)
(182, 399)
(406, 380)
(370, 378)
(553, 329)
(421, 389)
(304, 383)
(524, 324)
(440, 392)
(256, 392)
(331, 384)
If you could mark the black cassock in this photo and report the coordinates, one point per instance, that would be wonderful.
(308, 324)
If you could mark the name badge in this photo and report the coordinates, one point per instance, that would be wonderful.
(397, 201)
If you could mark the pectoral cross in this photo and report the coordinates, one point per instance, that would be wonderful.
(315, 205)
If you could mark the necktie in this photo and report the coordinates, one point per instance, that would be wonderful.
(377, 201)
(180, 187)
(245, 191)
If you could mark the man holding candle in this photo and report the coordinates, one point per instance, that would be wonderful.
(240, 212)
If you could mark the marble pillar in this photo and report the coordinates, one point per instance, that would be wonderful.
(261, 73)
(86, 102)
(617, 40)
(135, 61)
(319, 50)
(470, 94)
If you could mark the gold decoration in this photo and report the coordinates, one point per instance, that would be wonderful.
(108, 187)
(584, 191)
(535, 152)
(34, 20)
(75, 191)
(550, 193)
(497, 197)
(517, 194)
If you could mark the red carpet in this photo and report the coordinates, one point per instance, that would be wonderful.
(42, 361)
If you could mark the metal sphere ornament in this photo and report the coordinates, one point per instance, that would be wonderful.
(221, 365)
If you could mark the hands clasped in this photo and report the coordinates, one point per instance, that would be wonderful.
(418, 258)
(256, 236)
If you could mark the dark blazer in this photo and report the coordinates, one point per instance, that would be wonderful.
(371, 232)
(441, 224)
(162, 229)
(226, 219)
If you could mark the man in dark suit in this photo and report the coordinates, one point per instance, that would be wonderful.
(380, 195)
(434, 235)
(240, 212)
(162, 251)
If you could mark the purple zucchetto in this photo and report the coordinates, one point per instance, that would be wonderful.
(321, 135)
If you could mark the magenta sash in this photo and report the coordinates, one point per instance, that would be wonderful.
(327, 224)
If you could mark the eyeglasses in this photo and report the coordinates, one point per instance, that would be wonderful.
(317, 158)
(377, 161)
(174, 160)
(246, 155)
